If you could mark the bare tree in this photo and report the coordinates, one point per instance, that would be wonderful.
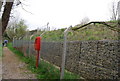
(84, 20)
(7, 10)
(118, 10)
(114, 11)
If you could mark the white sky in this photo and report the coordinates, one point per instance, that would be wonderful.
(63, 13)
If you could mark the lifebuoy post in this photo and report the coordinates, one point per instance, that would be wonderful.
(37, 46)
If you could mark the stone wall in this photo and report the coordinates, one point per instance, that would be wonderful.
(90, 59)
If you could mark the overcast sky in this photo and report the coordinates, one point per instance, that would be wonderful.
(63, 13)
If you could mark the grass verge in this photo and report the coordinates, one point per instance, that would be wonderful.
(45, 70)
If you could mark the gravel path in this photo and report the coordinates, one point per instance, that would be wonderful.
(13, 68)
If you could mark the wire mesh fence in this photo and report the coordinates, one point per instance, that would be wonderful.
(25, 46)
(97, 59)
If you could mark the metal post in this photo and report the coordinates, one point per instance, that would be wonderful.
(42, 34)
(64, 53)
(14, 38)
(13, 41)
(40, 46)
(30, 45)
(19, 38)
(47, 26)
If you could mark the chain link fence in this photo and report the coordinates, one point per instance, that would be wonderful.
(25, 46)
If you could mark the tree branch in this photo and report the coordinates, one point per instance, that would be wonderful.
(109, 26)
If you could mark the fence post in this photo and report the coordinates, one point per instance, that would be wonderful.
(13, 41)
(40, 44)
(30, 45)
(64, 53)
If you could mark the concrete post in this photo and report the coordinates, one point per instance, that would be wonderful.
(64, 53)
(30, 45)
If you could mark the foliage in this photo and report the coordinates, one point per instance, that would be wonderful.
(45, 69)
(55, 35)
(113, 21)
(17, 30)
(94, 32)
(90, 32)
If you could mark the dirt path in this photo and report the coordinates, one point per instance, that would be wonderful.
(13, 68)
(0, 68)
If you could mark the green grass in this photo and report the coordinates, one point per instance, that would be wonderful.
(113, 21)
(45, 70)
(90, 32)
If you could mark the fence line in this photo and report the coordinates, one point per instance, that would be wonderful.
(90, 59)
